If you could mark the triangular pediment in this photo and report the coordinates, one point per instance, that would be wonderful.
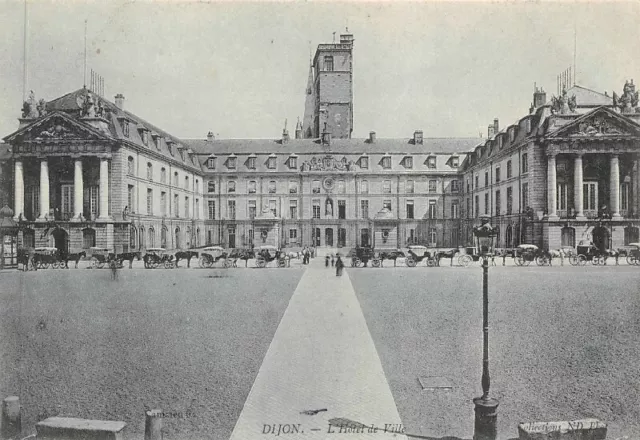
(56, 126)
(601, 122)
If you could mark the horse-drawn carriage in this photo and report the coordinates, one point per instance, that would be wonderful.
(360, 255)
(386, 254)
(99, 257)
(633, 254)
(266, 254)
(524, 254)
(417, 253)
(468, 255)
(156, 257)
(212, 255)
(45, 257)
(587, 251)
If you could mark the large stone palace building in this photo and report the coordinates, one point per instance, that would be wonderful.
(81, 171)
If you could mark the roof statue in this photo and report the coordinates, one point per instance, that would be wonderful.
(563, 104)
(32, 109)
(628, 102)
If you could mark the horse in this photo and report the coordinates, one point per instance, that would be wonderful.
(186, 255)
(74, 256)
(445, 254)
(129, 256)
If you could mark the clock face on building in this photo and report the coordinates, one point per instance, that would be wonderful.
(337, 117)
(328, 183)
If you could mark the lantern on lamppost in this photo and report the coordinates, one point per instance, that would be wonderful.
(486, 408)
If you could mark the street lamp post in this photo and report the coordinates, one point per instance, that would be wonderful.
(486, 408)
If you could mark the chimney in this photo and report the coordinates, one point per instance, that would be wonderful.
(285, 133)
(490, 131)
(120, 101)
(210, 137)
(372, 137)
(346, 38)
(539, 97)
(496, 126)
(298, 130)
(417, 137)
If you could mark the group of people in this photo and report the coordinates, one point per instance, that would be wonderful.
(306, 255)
(336, 262)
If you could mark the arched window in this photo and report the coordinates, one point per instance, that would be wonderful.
(149, 171)
(177, 238)
(88, 238)
(175, 179)
(163, 237)
(186, 182)
(141, 237)
(151, 242)
(163, 175)
(133, 237)
(130, 167)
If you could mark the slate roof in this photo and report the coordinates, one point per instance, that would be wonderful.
(586, 97)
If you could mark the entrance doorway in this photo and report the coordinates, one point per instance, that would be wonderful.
(600, 237)
(365, 239)
(316, 237)
(232, 236)
(342, 237)
(61, 240)
(328, 237)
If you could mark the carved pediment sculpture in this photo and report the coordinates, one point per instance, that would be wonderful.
(56, 131)
(597, 126)
(327, 163)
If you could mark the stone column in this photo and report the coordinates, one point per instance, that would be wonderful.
(44, 189)
(551, 187)
(578, 187)
(614, 186)
(18, 187)
(78, 190)
(104, 189)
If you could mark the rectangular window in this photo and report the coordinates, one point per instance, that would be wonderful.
(477, 181)
(341, 187)
(431, 162)
(315, 187)
(272, 187)
(125, 128)
(624, 196)
(328, 64)
(149, 201)
(386, 162)
(293, 187)
(432, 209)
(486, 178)
(342, 209)
(130, 199)
(176, 207)
(251, 205)
(433, 236)
(211, 186)
(497, 174)
(231, 209)
(273, 207)
(364, 209)
(67, 201)
(251, 163)
(293, 164)
(186, 207)
(477, 206)
(486, 203)
(410, 209)
(211, 206)
(455, 209)
(232, 162)
(525, 163)
(561, 196)
(509, 170)
(364, 187)
(468, 211)
(316, 208)
(590, 196)
(468, 186)
(498, 204)
(94, 190)
(386, 186)
(386, 204)
(432, 186)
(364, 163)
(251, 187)
(163, 175)
(186, 182)
(409, 187)
(197, 208)
(271, 163)
(525, 196)
(455, 186)
(149, 171)
(211, 163)
(455, 162)
(408, 162)
(163, 203)
(175, 179)
(293, 209)
(293, 234)
(509, 200)
(231, 186)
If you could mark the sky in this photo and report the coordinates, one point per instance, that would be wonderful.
(240, 69)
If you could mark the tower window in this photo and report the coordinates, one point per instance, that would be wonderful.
(328, 64)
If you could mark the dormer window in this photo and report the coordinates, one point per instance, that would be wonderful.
(271, 163)
(156, 140)
(364, 163)
(231, 163)
(181, 153)
(293, 162)
(251, 163)
(455, 162)
(169, 143)
(431, 162)
(408, 162)
(386, 162)
(125, 128)
(512, 135)
(144, 135)
(211, 163)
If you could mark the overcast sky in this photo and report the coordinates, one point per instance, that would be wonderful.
(240, 69)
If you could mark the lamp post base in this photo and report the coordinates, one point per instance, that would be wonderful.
(486, 426)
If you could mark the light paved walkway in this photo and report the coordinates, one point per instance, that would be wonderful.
(322, 356)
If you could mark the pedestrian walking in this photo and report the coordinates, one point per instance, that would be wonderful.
(339, 266)
(113, 265)
(332, 260)
(326, 261)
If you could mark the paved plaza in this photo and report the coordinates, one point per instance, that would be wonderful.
(249, 353)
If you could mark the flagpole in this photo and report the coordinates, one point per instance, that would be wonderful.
(85, 55)
(24, 52)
